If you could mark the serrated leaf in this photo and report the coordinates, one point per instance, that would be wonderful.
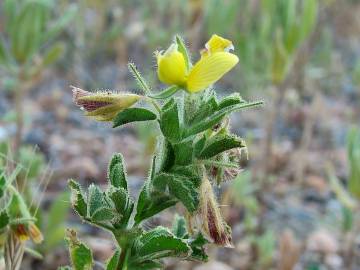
(159, 243)
(219, 144)
(80, 254)
(4, 219)
(185, 191)
(117, 172)
(95, 200)
(102, 214)
(170, 122)
(78, 199)
(133, 115)
(197, 247)
(123, 205)
(166, 93)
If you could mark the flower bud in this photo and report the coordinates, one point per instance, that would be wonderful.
(213, 224)
(103, 106)
(35, 233)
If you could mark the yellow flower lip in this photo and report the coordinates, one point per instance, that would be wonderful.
(103, 106)
(216, 60)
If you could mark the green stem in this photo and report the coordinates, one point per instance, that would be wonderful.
(122, 263)
(22, 205)
(154, 103)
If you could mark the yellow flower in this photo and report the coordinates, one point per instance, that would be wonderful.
(25, 231)
(103, 106)
(215, 61)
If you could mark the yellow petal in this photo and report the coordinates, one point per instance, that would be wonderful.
(217, 44)
(171, 66)
(209, 70)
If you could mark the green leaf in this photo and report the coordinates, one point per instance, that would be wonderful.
(78, 199)
(54, 232)
(199, 145)
(145, 265)
(215, 118)
(185, 191)
(123, 205)
(353, 146)
(169, 121)
(80, 254)
(280, 60)
(28, 30)
(160, 243)
(179, 227)
(102, 214)
(4, 219)
(206, 109)
(61, 23)
(197, 247)
(183, 152)
(149, 205)
(4, 55)
(168, 92)
(309, 17)
(95, 200)
(166, 158)
(348, 219)
(220, 143)
(112, 263)
(53, 53)
(133, 115)
(2, 183)
(180, 186)
(230, 100)
(117, 172)
(182, 48)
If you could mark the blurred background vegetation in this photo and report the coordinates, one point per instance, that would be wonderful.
(295, 206)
